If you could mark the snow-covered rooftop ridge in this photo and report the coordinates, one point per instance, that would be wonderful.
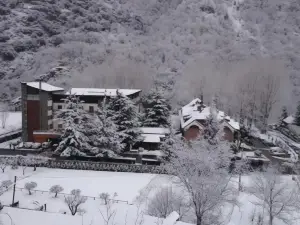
(16, 100)
(152, 138)
(195, 110)
(155, 130)
(44, 86)
(289, 120)
(101, 91)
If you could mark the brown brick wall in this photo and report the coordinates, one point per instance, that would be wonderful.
(33, 118)
(192, 133)
(228, 134)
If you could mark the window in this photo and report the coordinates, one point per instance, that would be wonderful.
(59, 126)
(50, 117)
(49, 107)
(91, 109)
(59, 107)
(51, 126)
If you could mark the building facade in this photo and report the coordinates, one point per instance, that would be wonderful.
(40, 100)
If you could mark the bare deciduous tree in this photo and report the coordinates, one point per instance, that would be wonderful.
(29, 186)
(167, 200)
(274, 195)
(202, 167)
(74, 200)
(56, 189)
(109, 213)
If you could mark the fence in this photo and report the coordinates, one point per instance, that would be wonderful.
(65, 194)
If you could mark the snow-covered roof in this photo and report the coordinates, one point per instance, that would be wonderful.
(44, 86)
(152, 138)
(245, 154)
(191, 112)
(289, 120)
(16, 100)
(154, 130)
(101, 92)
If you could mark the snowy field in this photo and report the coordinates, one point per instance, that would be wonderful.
(128, 187)
(91, 183)
(13, 122)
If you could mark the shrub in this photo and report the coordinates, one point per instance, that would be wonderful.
(4, 11)
(166, 201)
(4, 38)
(92, 26)
(105, 197)
(7, 52)
(56, 40)
(25, 45)
(56, 189)
(30, 186)
(6, 184)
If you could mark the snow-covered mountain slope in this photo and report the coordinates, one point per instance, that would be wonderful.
(145, 37)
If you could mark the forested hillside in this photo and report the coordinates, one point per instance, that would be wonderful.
(125, 43)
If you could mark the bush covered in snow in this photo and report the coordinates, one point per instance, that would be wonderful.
(6, 184)
(29, 186)
(56, 189)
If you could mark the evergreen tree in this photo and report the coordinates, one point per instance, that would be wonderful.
(74, 140)
(297, 115)
(104, 135)
(125, 115)
(157, 110)
(284, 114)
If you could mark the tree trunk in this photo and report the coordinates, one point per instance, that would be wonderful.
(29, 192)
(3, 169)
(55, 195)
(240, 182)
(271, 220)
(199, 220)
(34, 168)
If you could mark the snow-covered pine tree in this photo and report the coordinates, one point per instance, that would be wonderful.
(284, 114)
(74, 140)
(127, 118)
(104, 135)
(297, 115)
(157, 110)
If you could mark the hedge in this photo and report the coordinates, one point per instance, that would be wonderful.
(97, 166)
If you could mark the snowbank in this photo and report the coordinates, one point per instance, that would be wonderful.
(31, 217)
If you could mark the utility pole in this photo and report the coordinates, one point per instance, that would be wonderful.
(40, 98)
(14, 190)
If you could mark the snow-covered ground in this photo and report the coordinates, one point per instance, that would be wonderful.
(128, 187)
(91, 183)
(276, 137)
(13, 122)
